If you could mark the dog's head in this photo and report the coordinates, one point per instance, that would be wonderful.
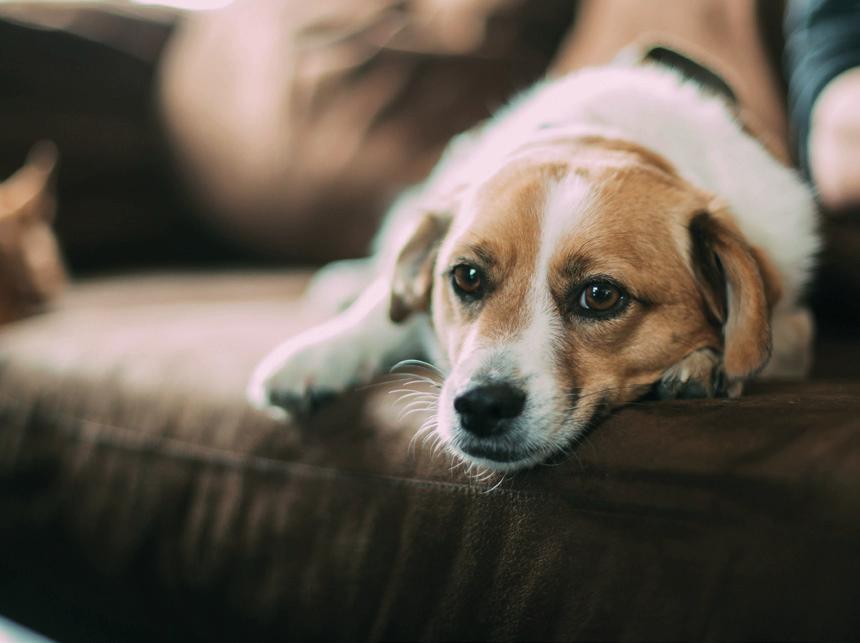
(566, 283)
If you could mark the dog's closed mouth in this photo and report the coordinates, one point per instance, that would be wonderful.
(495, 453)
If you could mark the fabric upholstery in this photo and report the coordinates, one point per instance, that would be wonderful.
(140, 498)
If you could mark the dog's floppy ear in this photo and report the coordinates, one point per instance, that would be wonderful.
(412, 281)
(739, 287)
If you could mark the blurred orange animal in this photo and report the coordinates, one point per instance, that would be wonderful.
(31, 267)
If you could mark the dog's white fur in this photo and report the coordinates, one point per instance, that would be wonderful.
(647, 105)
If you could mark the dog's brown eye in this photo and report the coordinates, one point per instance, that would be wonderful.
(600, 297)
(467, 281)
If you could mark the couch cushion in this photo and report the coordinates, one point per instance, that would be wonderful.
(141, 498)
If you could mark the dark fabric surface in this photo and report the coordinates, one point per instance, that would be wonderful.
(141, 499)
(835, 293)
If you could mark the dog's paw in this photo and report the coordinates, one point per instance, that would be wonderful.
(698, 375)
(300, 376)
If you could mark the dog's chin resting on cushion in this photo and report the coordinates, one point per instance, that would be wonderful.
(610, 233)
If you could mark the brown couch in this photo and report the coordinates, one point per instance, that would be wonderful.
(140, 499)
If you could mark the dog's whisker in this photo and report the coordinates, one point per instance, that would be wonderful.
(422, 405)
(427, 425)
(400, 378)
(410, 448)
(416, 378)
(415, 404)
(439, 447)
(497, 485)
(407, 396)
(488, 475)
(411, 400)
(411, 404)
(424, 432)
(421, 401)
(407, 391)
(428, 444)
(421, 434)
(430, 436)
(422, 378)
(421, 409)
(417, 362)
(440, 450)
(430, 439)
(417, 437)
(482, 477)
(415, 407)
(429, 422)
(417, 401)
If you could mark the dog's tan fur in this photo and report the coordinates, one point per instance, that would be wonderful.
(643, 219)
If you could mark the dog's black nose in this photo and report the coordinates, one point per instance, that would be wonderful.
(483, 408)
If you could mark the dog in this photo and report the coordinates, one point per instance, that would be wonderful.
(609, 234)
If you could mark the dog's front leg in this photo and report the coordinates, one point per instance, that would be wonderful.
(323, 361)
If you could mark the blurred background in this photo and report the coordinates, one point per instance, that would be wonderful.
(193, 132)
(262, 131)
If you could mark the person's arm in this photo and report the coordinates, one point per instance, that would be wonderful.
(823, 65)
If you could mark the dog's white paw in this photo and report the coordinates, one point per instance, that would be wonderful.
(303, 373)
(698, 375)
